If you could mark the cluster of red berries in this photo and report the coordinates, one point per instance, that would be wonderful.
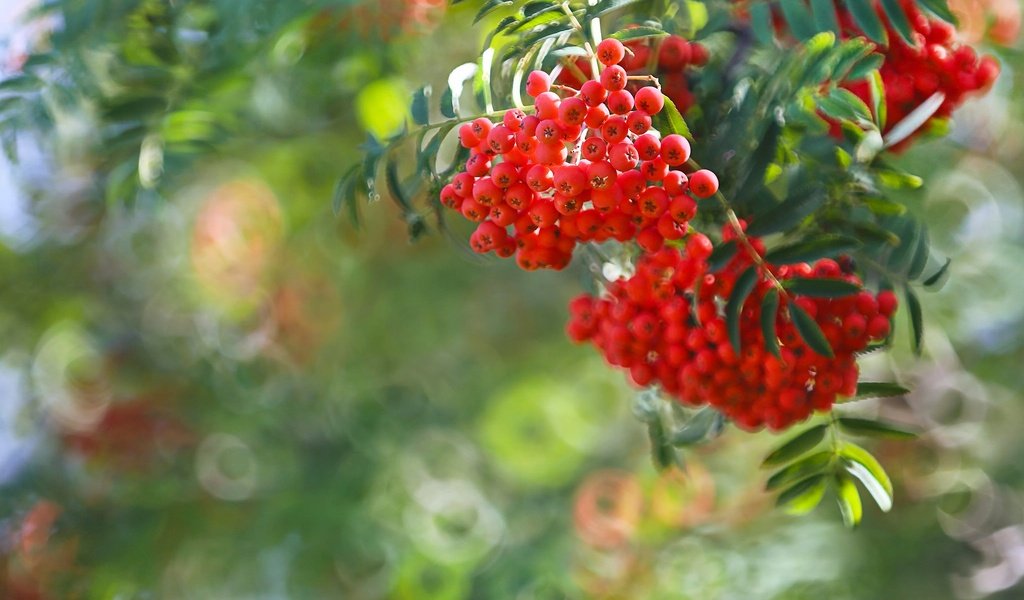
(666, 326)
(936, 62)
(585, 167)
(666, 57)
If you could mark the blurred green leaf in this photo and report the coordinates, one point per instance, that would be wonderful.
(796, 446)
(824, 246)
(804, 496)
(769, 312)
(870, 428)
(849, 500)
(809, 331)
(734, 307)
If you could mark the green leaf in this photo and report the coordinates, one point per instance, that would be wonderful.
(696, 429)
(345, 195)
(663, 455)
(21, 83)
(849, 500)
(420, 106)
(916, 319)
(824, 12)
(669, 120)
(809, 331)
(861, 70)
(884, 207)
(877, 87)
(769, 312)
(820, 288)
(865, 467)
(869, 428)
(721, 255)
(939, 8)
(898, 19)
(801, 498)
(920, 257)
(761, 21)
(867, 19)
(489, 7)
(734, 307)
(879, 389)
(825, 246)
(937, 276)
(808, 466)
(634, 33)
(802, 443)
(787, 214)
(799, 18)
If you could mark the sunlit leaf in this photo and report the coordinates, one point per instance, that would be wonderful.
(802, 497)
(849, 500)
(808, 466)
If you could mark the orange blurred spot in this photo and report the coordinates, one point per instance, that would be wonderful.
(607, 509)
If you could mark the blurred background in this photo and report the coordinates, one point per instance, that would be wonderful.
(213, 387)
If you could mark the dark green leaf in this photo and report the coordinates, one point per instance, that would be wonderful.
(447, 104)
(796, 446)
(849, 500)
(663, 455)
(420, 106)
(867, 427)
(820, 288)
(809, 331)
(898, 19)
(21, 83)
(733, 309)
(920, 258)
(489, 7)
(787, 214)
(532, 9)
(937, 276)
(804, 496)
(721, 255)
(769, 312)
(824, 12)
(867, 19)
(865, 66)
(825, 246)
(808, 466)
(761, 21)
(916, 319)
(939, 8)
(799, 18)
(879, 389)
(345, 195)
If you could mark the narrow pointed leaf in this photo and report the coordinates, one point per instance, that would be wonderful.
(809, 331)
(804, 496)
(669, 121)
(878, 107)
(912, 122)
(769, 313)
(937, 276)
(734, 307)
(849, 500)
(824, 12)
(820, 288)
(879, 429)
(898, 19)
(787, 214)
(869, 471)
(880, 389)
(761, 21)
(796, 446)
(916, 319)
(940, 8)
(799, 470)
(867, 19)
(799, 18)
(826, 246)
(721, 255)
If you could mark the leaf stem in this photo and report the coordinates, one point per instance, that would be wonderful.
(594, 69)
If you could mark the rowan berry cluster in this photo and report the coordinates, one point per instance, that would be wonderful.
(584, 167)
(665, 324)
(667, 58)
(936, 62)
